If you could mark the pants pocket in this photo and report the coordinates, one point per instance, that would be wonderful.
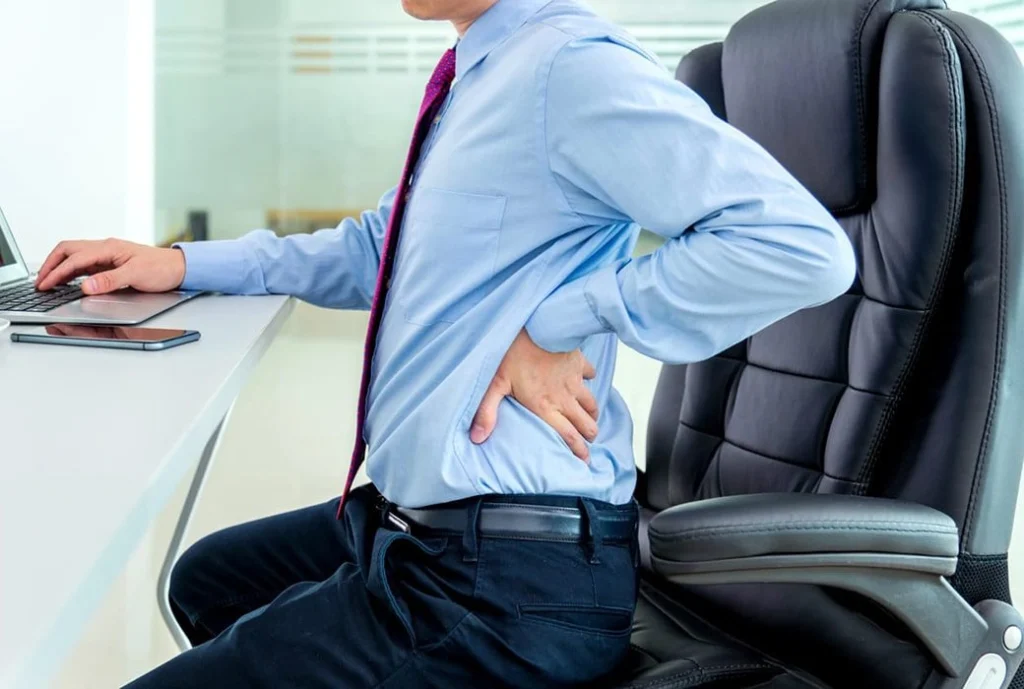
(380, 580)
(596, 620)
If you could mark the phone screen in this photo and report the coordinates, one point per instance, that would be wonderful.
(105, 332)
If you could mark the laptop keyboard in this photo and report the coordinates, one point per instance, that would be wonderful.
(26, 298)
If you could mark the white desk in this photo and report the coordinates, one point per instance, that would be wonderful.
(92, 444)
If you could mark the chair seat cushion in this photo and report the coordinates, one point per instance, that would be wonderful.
(672, 648)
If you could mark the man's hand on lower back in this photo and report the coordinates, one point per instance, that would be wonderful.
(113, 264)
(548, 384)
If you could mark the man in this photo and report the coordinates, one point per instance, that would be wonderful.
(500, 550)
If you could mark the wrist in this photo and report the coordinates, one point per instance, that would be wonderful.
(564, 319)
(179, 266)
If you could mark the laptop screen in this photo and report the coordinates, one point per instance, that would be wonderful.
(6, 255)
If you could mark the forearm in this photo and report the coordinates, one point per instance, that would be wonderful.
(328, 268)
(701, 292)
(336, 268)
(746, 244)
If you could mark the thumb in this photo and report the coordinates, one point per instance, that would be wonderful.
(487, 415)
(108, 281)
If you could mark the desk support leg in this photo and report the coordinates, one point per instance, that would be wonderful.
(174, 549)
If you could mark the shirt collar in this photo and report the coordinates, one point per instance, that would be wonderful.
(491, 29)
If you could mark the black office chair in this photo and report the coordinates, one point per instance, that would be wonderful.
(829, 504)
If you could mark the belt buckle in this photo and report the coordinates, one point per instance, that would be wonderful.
(398, 522)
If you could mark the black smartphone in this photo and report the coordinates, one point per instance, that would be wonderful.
(112, 337)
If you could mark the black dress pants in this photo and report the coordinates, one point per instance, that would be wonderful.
(304, 600)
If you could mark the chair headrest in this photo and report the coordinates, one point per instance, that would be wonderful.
(801, 78)
(701, 70)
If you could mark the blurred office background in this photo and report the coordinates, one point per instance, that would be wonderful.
(155, 120)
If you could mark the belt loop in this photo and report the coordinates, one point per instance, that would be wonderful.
(469, 537)
(593, 528)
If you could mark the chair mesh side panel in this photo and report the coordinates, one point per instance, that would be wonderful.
(985, 577)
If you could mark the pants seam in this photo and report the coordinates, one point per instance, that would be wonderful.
(418, 653)
(226, 603)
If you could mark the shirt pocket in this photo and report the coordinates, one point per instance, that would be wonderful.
(447, 253)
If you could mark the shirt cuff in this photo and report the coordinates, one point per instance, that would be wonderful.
(216, 266)
(567, 317)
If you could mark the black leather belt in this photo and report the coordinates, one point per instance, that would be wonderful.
(517, 521)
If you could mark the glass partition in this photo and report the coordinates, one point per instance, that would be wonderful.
(291, 114)
(1005, 15)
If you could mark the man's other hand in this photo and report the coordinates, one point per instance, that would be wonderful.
(113, 264)
(548, 384)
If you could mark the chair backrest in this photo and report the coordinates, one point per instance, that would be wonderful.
(907, 121)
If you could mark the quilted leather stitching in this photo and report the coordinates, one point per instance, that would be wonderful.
(699, 676)
(696, 534)
(818, 469)
(949, 236)
(858, 76)
(826, 432)
(821, 379)
(1000, 358)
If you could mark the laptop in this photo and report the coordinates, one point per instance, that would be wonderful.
(21, 303)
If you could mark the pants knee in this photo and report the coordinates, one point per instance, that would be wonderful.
(191, 586)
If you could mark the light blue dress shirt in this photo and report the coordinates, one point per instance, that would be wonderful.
(560, 139)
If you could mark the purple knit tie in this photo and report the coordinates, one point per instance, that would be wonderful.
(437, 90)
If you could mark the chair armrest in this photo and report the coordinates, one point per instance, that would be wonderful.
(897, 554)
(798, 529)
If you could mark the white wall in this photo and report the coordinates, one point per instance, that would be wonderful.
(76, 113)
